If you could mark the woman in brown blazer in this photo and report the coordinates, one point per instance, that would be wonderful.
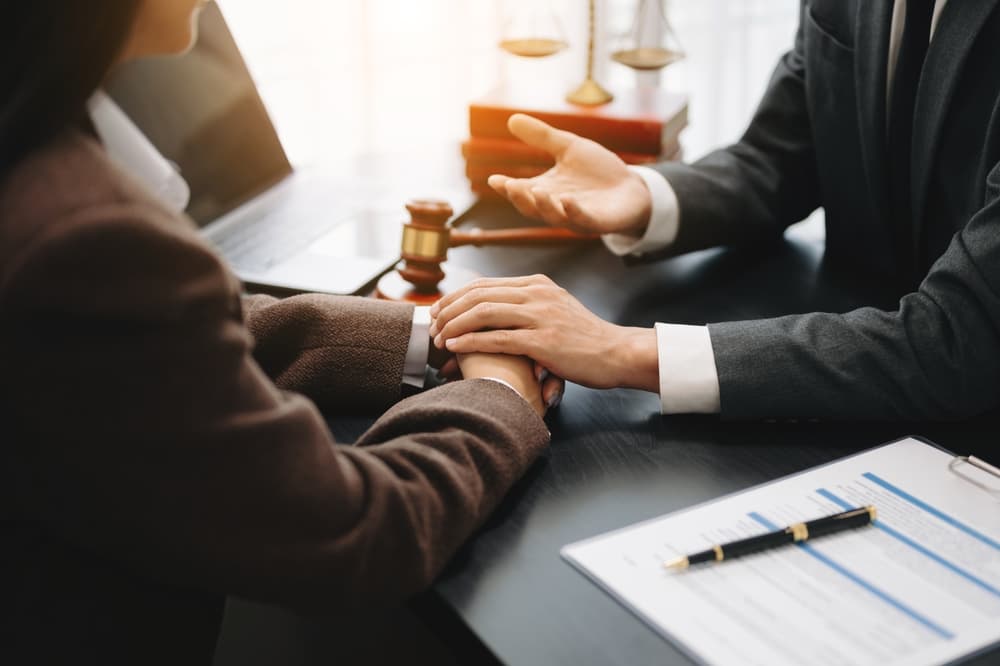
(161, 440)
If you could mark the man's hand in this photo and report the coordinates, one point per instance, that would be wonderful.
(589, 188)
(534, 317)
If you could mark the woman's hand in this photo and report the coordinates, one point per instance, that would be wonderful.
(553, 387)
(517, 371)
(589, 187)
(534, 317)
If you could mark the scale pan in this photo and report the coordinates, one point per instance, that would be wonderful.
(533, 47)
(647, 58)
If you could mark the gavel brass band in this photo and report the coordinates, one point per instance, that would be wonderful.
(425, 243)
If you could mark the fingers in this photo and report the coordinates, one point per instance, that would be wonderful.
(487, 315)
(515, 343)
(486, 283)
(530, 200)
(519, 193)
(541, 372)
(550, 208)
(553, 387)
(480, 297)
(472, 298)
(499, 183)
(553, 390)
(575, 214)
(540, 135)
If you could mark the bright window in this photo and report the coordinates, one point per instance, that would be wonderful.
(345, 77)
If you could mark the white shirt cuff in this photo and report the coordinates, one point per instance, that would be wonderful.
(664, 219)
(689, 380)
(415, 365)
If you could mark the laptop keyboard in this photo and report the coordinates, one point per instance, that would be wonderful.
(256, 244)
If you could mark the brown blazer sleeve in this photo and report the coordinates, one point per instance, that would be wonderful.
(148, 433)
(345, 353)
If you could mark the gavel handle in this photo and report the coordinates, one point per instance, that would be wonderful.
(523, 236)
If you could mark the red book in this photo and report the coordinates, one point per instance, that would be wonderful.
(489, 150)
(641, 120)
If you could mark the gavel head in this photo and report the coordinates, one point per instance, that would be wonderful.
(419, 278)
(426, 238)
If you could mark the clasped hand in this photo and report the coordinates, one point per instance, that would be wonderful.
(534, 317)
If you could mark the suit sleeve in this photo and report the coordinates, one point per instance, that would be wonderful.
(751, 191)
(346, 353)
(148, 434)
(936, 357)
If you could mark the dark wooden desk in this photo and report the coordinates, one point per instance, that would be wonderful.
(614, 460)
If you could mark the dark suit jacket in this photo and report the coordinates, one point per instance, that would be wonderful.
(819, 139)
(158, 453)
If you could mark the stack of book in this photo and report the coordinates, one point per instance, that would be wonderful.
(641, 126)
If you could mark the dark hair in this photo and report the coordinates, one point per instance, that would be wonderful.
(53, 55)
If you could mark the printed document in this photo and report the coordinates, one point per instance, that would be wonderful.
(921, 585)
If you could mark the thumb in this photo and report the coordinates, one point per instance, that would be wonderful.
(536, 133)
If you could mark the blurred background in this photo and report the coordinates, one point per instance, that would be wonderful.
(388, 77)
(383, 76)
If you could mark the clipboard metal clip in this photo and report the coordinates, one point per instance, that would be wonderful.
(959, 462)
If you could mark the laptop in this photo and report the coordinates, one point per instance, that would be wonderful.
(281, 230)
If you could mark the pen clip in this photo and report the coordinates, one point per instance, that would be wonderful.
(956, 464)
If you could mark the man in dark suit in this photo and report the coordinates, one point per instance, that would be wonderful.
(886, 114)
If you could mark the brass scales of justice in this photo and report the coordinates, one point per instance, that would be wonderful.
(535, 32)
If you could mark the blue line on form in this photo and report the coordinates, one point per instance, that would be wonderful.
(931, 510)
(923, 550)
(858, 580)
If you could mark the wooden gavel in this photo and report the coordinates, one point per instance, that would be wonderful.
(419, 278)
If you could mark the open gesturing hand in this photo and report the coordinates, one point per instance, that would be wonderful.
(589, 188)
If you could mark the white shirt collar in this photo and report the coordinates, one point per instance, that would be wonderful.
(132, 151)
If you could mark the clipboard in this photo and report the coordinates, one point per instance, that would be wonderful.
(920, 587)
(958, 462)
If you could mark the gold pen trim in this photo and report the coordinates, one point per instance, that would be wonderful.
(799, 531)
(719, 555)
(679, 563)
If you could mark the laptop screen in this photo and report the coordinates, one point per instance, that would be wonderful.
(202, 111)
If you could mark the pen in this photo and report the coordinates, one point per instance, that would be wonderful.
(791, 534)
